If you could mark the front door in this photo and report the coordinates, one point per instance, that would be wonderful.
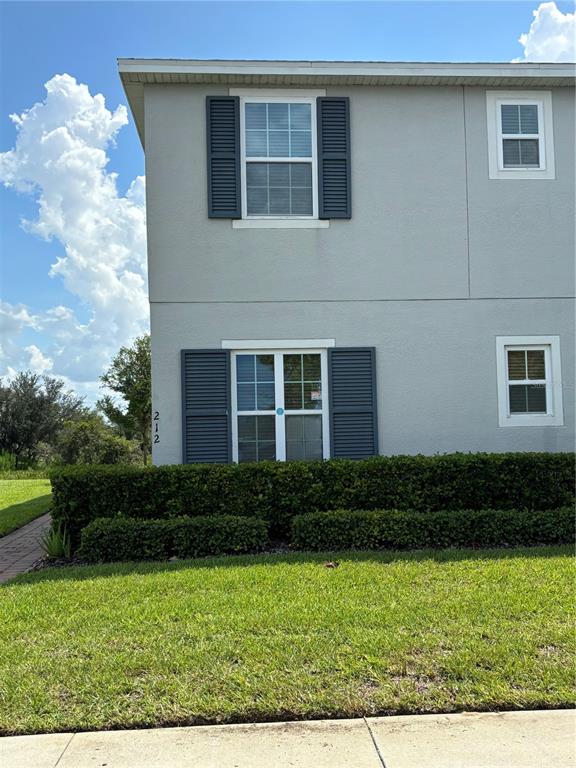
(280, 408)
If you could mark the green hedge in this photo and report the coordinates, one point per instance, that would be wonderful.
(279, 491)
(406, 529)
(122, 538)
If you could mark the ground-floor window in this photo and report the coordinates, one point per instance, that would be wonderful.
(529, 381)
(279, 405)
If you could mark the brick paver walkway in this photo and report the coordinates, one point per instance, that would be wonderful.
(20, 549)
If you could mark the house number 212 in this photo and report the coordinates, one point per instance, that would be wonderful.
(156, 429)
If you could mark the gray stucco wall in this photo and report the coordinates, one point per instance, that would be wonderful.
(436, 261)
(436, 363)
(521, 232)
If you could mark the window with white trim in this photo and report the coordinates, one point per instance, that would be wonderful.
(279, 405)
(529, 381)
(520, 137)
(278, 146)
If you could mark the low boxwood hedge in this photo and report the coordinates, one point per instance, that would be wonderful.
(222, 535)
(278, 491)
(123, 538)
(408, 529)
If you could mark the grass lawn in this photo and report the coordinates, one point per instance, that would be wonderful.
(22, 501)
(283, 636)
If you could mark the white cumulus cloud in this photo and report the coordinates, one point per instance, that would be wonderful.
(60, 158)
(39, 363)
(551, 37)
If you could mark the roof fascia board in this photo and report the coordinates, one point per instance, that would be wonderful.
(365, 69)
(136, 73)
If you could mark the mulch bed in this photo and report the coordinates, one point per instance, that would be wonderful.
(275, 548)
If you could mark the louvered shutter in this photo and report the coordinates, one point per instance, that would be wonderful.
(353, 413)
(334, 188)
(206, 406)
(223, 150)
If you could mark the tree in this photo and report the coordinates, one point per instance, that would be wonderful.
(33, 409)
(130, 376)
(91, 441)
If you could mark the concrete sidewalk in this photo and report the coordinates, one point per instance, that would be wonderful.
(541, 739)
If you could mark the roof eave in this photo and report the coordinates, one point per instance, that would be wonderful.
(136, 73)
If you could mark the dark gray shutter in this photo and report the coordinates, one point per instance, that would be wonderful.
(206, 434)
(223, 149)
(334, 188)
(353, 415)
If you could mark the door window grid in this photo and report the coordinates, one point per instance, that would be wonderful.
(302, 382)
(256, 438)
(255, 376)
(303, 437)
(295, 438)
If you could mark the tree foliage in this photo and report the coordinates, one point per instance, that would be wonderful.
(33, 409)
(90, 441)
(130, 377)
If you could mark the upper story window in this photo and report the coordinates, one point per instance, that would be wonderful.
(520, 135)
(278, 139)
(529, 381)
(279, 158)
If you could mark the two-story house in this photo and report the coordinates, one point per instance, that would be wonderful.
(349, 258)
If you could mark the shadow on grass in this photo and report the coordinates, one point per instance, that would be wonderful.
(106, 570)
(17, 515)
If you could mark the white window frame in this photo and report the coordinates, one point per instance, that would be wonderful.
(554, 416)
(254, 96)
(280, 422)
(545, 136)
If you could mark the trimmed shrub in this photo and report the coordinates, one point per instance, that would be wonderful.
(407, 529)
(123, 538)
(226, 534)
(278, 491)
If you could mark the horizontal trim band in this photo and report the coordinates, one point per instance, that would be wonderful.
(278, 343)
(366, 301)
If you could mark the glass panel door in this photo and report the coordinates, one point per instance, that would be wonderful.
(255, 399)
(303, 437)
(302, 395)
(279, 406)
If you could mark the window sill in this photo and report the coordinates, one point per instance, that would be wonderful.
(532, 421)
(280, 224)
(523, 175)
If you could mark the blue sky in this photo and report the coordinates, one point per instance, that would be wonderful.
(83, 39)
